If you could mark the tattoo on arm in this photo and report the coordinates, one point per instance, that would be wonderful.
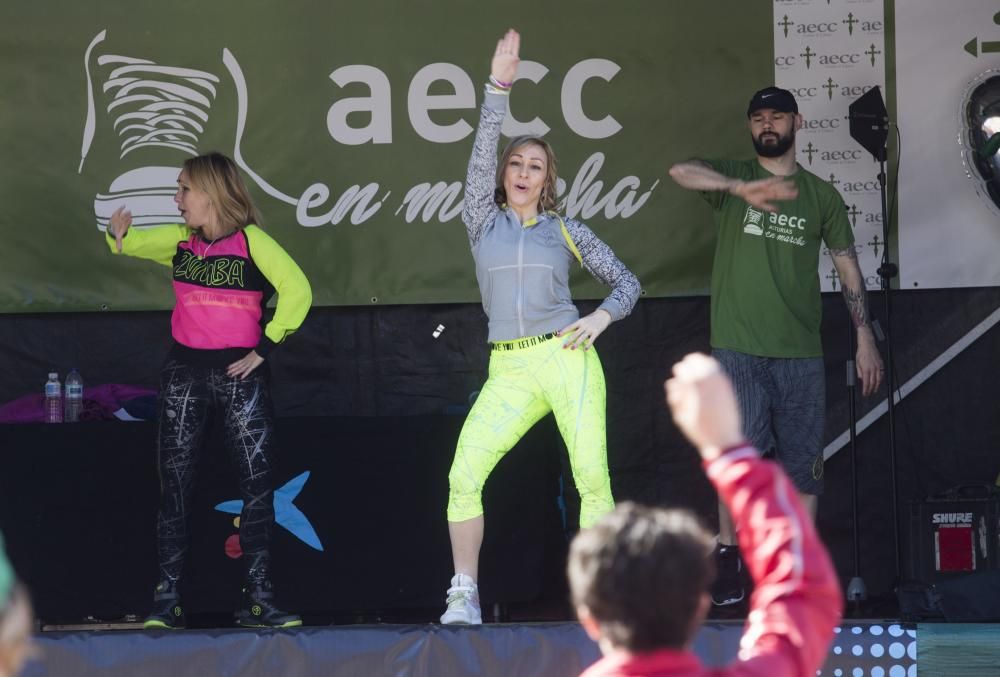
(856, 298)
(857, 306)
(847, 251)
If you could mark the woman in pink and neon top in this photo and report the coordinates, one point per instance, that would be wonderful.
(225, 269)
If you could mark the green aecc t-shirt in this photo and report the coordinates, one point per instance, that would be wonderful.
(765, 283)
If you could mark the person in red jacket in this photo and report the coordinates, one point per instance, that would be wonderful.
(640, 576)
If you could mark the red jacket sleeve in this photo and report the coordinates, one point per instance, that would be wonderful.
(797, 601)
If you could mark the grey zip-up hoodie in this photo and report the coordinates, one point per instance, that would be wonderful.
(523, 269)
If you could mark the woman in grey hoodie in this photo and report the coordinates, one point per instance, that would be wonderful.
(542, 358)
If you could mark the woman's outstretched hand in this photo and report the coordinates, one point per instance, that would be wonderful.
(505, 59)
(119, 224)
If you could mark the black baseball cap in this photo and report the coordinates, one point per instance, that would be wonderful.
(773, 97)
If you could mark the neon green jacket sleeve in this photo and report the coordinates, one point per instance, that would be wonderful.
(158, 243)
(288, 280)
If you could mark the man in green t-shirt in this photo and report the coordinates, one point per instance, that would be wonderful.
(773, 216)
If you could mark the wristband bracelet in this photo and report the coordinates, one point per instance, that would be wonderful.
(498, 83)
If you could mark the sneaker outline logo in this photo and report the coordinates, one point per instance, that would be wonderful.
(752, 221)
(164, 107)
(152, 106)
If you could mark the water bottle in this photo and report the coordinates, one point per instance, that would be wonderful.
(53, 399)
(74, 396)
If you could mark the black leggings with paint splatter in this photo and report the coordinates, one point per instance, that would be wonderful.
(189, 396)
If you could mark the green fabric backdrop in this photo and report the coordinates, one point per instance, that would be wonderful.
(684, 73)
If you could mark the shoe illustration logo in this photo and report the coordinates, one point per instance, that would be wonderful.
(151, 106)
(752, 221)
(163, 109)
(286, 514)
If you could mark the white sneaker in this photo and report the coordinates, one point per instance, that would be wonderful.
(463, 602)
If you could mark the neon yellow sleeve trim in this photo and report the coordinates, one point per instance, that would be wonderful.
(294, 292)
(158, 243)
(569, 241)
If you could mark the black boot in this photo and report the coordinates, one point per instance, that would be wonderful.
(258, 609)
(167, 613)
(728, 588)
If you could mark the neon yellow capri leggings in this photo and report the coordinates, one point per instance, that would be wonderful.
(524, 385)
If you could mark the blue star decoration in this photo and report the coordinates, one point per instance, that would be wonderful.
(285, 512)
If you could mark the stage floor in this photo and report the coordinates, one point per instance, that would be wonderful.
(886, 648)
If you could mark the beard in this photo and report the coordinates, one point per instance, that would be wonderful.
(774, 148)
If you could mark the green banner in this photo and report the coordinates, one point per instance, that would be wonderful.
(353, 123)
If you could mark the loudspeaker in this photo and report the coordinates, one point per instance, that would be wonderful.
(869, 122)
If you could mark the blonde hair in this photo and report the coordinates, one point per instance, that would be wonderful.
(547, 199)
(217, 175)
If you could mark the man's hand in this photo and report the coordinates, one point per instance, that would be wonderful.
(762, 193)
(703, 404)
(868, 362)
